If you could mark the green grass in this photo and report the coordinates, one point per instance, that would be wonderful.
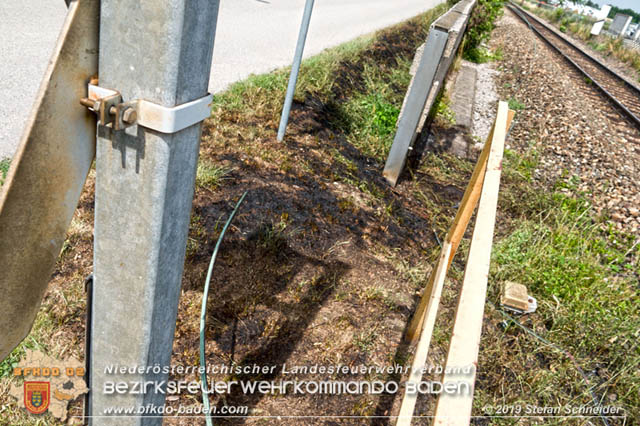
(384, 115)
(4, 169)
(43, 327)
(584, 277)
(272, 237)
(566, 255)
(444, 115)
(263, 92)
(365, 340)
(369, 121)
(482, 55)
(516, 105)
(360, 95)
(210, 175)
(13, 359)
(481, 25)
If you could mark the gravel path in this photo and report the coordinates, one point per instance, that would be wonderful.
(253, 36)
(574, 128)
(485, 103)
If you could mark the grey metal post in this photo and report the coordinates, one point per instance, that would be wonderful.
(415, 104)
(159, 51)
(293, 77)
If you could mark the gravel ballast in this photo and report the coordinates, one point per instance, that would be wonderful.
(580, 137)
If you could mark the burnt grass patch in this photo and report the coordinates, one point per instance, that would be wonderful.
(324, 262)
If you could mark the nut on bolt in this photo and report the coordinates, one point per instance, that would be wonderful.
(129, 115)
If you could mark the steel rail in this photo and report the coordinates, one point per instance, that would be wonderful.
(578, 49)
(521, 14)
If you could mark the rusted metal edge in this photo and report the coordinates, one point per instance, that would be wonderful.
(47, 174)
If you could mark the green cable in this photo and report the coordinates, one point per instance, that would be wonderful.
(203, 314)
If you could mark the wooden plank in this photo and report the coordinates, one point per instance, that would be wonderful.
(456, 231)
(431, 296)
(455, 409)
(472, 194)
(420, 357)
(457, 228)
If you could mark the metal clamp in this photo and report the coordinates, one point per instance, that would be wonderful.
(112, 112)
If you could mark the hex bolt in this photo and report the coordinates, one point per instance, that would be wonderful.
(86, 102)
(129, 115)
(90, 103)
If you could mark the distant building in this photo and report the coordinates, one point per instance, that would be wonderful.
(604, 12)
(620, 24)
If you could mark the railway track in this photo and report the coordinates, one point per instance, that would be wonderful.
(624, 95)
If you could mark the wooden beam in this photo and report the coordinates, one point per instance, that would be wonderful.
(472, 194)
(420, 357)
(456, 232)
(458, 227)
(431, 296)
(455, 409)
(489, 160)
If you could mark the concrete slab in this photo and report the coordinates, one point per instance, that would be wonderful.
(463, 95)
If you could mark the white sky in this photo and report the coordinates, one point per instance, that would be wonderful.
(623, 4)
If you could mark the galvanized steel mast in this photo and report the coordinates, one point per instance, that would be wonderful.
(158, 51)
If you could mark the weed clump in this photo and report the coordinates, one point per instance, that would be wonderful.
(4, 169)
(516, 105)
(210, 175)
(481, 24)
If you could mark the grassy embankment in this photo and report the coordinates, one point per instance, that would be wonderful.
(582, 343)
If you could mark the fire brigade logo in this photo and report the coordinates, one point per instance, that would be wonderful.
(47, 385)
(36, 396)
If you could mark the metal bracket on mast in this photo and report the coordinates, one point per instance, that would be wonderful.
(112, 112)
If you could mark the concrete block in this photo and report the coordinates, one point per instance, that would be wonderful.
(463, 95)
